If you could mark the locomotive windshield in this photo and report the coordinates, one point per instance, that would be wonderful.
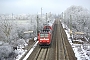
(43, 35)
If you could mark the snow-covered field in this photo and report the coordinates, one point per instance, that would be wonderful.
(82, 51)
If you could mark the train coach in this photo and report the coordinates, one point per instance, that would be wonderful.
(48, 26)
(44, 37)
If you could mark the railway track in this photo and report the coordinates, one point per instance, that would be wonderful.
(60, 48)
(63, 48)
(41, 54)
(61, 51)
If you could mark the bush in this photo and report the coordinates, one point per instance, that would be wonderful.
(6, 52)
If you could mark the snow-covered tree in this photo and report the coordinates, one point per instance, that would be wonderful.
(78, 17)
(7, 31)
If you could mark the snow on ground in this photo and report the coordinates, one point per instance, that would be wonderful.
(80, 51)
(31, 50)
(21, 52)
(1, 42)
(35, 38)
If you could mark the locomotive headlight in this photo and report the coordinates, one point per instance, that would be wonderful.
(47, 41)
(40, 41)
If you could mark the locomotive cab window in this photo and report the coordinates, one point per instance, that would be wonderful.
(46, 35)
(43, 35)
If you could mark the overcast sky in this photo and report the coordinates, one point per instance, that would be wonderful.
(34, 6)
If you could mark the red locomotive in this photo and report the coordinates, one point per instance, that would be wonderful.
(44, 37)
